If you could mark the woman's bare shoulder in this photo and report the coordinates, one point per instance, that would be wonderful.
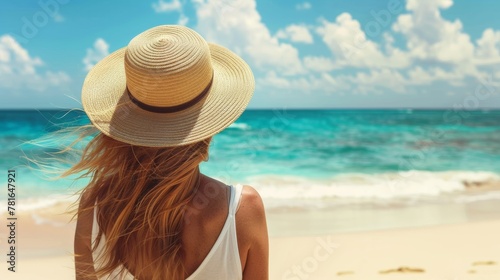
(250, 216)
(253, 242)
(251, 202)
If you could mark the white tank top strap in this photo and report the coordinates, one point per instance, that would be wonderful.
(223, 260)
(235, 199)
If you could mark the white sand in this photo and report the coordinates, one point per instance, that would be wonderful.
(451, 252)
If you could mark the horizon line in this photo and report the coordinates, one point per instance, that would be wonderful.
(293, 108)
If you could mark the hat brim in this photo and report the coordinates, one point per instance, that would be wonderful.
(109, 108)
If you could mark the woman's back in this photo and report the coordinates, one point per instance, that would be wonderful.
(204, 222)
(206, 217)
(217, 236)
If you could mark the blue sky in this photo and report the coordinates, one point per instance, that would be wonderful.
(304, 54)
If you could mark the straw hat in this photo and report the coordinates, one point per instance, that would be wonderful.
(168, 87)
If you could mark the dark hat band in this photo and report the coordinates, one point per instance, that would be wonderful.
(170, 109)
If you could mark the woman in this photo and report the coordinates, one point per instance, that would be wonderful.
(148, 213)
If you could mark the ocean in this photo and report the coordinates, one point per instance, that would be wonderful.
(304, 158)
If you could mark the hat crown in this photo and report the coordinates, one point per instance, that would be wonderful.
(167, 66)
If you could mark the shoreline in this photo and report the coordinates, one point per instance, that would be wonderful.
(287, 191)
(362, 217)
(339, 215)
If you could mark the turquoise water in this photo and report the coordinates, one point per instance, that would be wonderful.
(325, 143)
(285, 148)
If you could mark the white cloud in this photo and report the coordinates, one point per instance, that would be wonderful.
(99, 51)
(19, 58)
(488, 48)
(275, 81)
(350, 46)
(388, 79)
(488, 44)
(173, 6)
(319, 63)
(432, 38)
(437, 51)
(296, 33)
(303, 6)
(162, 6)
(238, 26)
(183, 19)
(320, 83)
(19, 70)
(419, 76)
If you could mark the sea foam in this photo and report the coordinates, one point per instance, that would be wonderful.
(294, 191)
(242, 126)
(288, 191)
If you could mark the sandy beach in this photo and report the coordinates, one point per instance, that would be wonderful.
(451, 252)
(319, 249)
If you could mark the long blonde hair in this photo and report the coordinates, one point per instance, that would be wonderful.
(141, 195)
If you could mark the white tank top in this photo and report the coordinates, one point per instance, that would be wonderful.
(222, 262)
